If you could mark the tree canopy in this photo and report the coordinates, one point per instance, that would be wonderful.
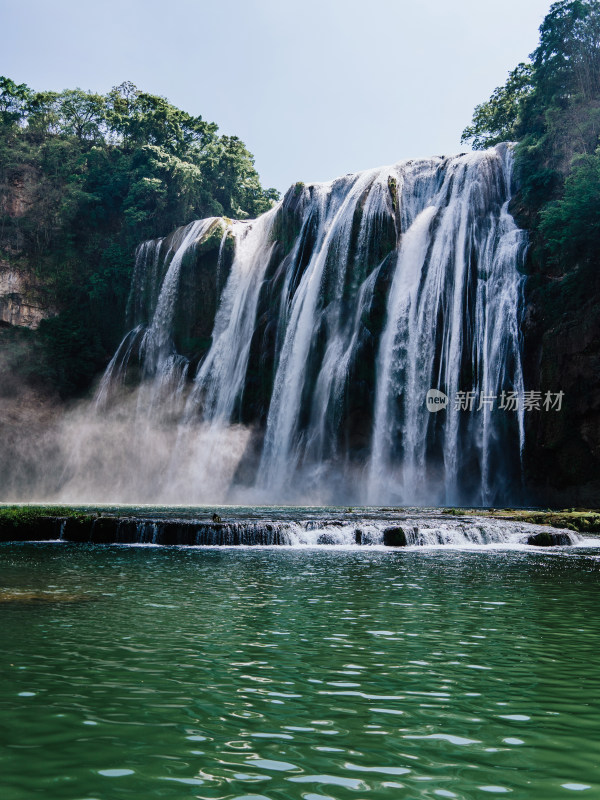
(551, 107)
(498, 119)
(104, 173)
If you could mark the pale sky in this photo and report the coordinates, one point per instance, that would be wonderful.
(315, 88)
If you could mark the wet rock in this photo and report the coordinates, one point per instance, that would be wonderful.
(126, 531)
(327, 538)
(561, 330)
(78, 529)
(26, 530)
(32, 596)
(394, 537)
(104, 530)
(549, 539)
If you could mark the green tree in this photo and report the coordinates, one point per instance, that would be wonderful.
(141, 118)
(107, 172)
(43, 118)
(13, 100)
(498, 119)
(571, 226)
(236, 184)
(567, 59)
(81, 114)
(551, 107)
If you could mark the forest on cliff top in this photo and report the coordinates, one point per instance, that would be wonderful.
(550, 106)
(98, 174)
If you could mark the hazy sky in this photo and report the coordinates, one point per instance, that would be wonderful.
(315, 88)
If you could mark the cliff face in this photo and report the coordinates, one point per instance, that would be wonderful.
(23, 298)
(18, 191)
(30, 412)
(561, 340)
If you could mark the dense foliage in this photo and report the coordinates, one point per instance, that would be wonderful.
(498, 119)
(551, 107)
(96, 175)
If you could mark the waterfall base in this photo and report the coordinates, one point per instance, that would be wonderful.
(287, 527)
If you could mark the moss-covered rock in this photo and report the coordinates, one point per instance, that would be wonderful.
(580, 521)
(38, 523)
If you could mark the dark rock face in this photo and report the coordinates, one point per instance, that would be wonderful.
(43, 529)
(549, 539)
(561, 339)
(201, 283)
(123, 530)
(115, 530)
(394, 537)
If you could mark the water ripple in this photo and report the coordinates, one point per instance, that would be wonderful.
(470, 674)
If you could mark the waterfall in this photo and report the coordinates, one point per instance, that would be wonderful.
(220, 378)
(453, 305)
(299, 347)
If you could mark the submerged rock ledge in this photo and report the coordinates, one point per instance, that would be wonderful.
(403, 529)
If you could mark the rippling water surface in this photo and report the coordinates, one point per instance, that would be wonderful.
(143, 672)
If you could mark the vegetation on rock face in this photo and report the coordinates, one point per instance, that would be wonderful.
(551, 107)
(84, 178)
(19, 515)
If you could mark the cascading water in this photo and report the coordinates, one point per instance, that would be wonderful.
(453, 306)
(313, 528)
(329, 318)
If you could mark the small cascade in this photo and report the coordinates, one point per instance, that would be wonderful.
(411, 530)
(288, 359)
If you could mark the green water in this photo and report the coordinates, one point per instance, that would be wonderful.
(278, 673)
